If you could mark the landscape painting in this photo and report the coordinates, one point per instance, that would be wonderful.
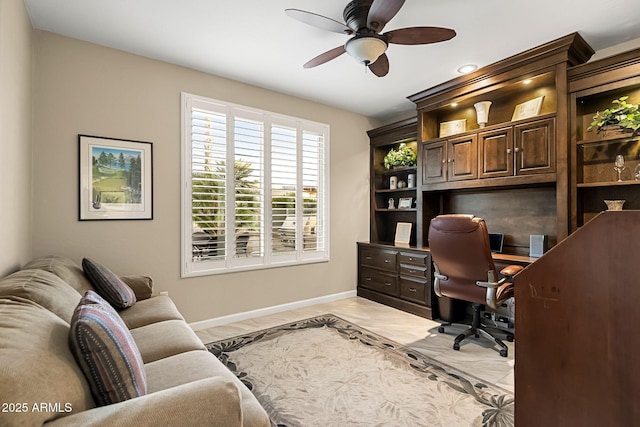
(115, 179)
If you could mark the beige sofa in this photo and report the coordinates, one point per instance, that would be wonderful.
(41, 382)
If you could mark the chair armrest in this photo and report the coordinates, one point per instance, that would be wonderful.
(141, 285)
(211, 402)
(511, 270)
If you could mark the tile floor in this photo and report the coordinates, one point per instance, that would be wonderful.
(475, 357)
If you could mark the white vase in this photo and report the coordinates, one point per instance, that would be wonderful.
(482, 112)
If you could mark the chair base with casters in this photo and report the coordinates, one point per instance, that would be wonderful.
(477, 328)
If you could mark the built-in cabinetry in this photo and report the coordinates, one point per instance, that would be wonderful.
(400, 277)
(593, 87)
(512, 171)
(385, 214)
(507, 170)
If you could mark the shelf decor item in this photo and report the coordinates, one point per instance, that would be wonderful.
(403, 234)
(614, 205)
(453, 127)
(621, 117)
(528, 109)
(404, 156)
(405, 203)
(619, 165)
(393, 182)
(482, 112)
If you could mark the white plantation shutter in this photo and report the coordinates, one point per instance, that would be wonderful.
(254, 188)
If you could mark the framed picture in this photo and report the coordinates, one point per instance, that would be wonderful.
(405, 203)
(403, 234)
(528, 109)
(116, 179)
(453, 127)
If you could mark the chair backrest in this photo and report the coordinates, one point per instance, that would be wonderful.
(460, 250)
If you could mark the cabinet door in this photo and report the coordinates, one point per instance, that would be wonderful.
(462, 158)
(495, 153)
(434, 163)
(535, 147)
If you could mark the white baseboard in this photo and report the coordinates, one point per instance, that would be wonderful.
(218, 321)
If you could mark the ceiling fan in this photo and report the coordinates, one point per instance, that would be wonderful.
(365, 19)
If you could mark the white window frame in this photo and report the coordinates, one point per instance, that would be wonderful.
(265, 259)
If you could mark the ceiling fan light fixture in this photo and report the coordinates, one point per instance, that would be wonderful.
(365, 50)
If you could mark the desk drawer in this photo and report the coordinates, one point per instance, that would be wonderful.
(415, 290)
(414, 258)
(414, 270)
(378, 281)
(378, 258)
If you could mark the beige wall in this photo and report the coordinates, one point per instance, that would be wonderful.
(15, 136)
(81, 88)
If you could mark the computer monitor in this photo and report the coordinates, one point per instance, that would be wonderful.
(496, 240)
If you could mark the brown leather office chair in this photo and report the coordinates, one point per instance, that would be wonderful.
(464, 270)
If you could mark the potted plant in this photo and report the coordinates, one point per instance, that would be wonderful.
(622, 116)
(404, 156)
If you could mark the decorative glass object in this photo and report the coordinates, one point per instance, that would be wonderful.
(636, 173)
(619, 165)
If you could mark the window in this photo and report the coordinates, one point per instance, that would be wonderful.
(255, 191)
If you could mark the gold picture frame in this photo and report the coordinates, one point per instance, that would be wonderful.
(453, 127)
(527, 109)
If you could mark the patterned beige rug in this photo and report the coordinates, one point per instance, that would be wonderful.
(325, 371)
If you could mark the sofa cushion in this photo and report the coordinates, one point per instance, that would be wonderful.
(64, 268)
(106, 351)
(164, 339)
(37, 365)
(152, 310)
(108, 285)
(196, 365)
(43, 288)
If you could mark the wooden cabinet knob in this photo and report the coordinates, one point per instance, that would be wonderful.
(508, 150)
(516, 149)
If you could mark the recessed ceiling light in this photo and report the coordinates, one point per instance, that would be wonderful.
(467, 68)
(454, 104)
(526, 81)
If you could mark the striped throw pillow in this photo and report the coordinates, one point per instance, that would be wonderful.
(108, 285)
(106, 351)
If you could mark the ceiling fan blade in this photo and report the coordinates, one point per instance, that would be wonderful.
(381, 12)
(325, 57)
(381, 67)
(319, 21)
(419, 35)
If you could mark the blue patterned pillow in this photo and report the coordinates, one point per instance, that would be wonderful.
(106, 352)
(108, 285)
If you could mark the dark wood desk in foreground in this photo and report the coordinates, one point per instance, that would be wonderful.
(577, 317)
(402, 277)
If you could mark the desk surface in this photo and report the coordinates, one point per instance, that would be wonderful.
(519, 259)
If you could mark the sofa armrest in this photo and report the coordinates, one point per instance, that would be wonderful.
(207, 402)
(141, 285)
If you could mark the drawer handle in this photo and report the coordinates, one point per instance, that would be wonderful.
(367, 257)
(368, 279)
(411, 258)
(387, 261)
(413, 290)
(387, 283)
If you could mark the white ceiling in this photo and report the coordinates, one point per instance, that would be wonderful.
(254, 41)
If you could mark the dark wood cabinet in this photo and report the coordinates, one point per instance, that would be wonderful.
(496, 153)
(524, 149)
(535, 148)
(454, 159)
(462, 155)
(395, 276)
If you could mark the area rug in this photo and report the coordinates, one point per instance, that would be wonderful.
(325, 371)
